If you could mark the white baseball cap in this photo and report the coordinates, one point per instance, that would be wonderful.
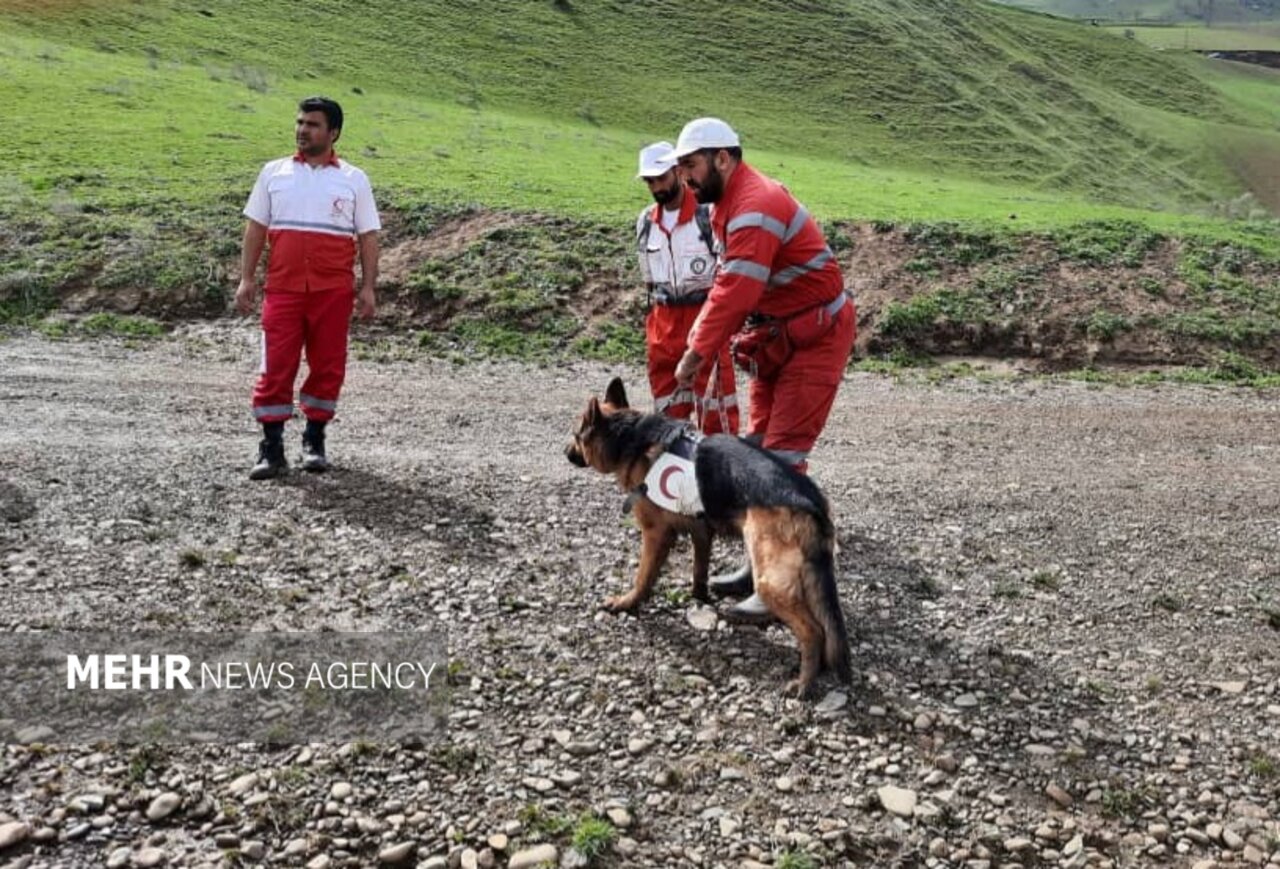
(655, 160)
(704, 133)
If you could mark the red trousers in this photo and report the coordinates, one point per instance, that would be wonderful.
(291, 322)
(666, 333)
(788, 411)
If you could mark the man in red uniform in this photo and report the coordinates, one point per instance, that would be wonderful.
(316, 211)
(678, 262)
(778, 293)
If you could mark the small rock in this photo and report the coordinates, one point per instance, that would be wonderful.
(119, 858)
(340, 790)
(833, 702)
(966, 701)
(149, 857)
(398, 853)
(1058, 795)
(34, 734)
(1074, 847)
(244, 784)
(469, 859)
(899, 801)
(619, 817)
(702, 618)
(13, 833)
(88, 804)
(639, 746)
(163, 806)
(531, 857)
(1232, 839)
(1230, 687)
(499, 841)
(785, 784)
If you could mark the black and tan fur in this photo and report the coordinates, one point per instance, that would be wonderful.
(747, 492)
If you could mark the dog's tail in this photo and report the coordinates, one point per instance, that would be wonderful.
(823, 598)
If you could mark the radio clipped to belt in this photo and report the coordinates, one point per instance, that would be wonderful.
(764, 346)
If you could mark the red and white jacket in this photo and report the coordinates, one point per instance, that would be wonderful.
(775, 260)
(678, 267)
(313, 215)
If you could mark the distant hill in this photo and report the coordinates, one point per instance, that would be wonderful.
(1210, 11)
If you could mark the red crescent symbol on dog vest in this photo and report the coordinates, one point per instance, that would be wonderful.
(662, 481)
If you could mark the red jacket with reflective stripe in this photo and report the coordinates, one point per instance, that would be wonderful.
(775, 260)
(313, 216)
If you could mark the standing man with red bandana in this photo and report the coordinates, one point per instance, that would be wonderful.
(778, 294)
(678, 261)
(316, 211)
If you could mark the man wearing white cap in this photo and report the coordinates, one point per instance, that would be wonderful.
(678, 260)
(778, 294)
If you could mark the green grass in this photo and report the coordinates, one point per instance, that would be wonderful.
(533, 105)
(139, 128)
(795, 860)
(593, 837)
(1197, 37)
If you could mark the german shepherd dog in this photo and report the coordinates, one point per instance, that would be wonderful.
(746, 492)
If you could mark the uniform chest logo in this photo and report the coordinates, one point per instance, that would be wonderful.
(698, 265)
(340, 208)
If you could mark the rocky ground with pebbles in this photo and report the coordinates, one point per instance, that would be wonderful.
(1064, 601)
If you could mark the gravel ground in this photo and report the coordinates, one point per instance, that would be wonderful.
(1063, 598)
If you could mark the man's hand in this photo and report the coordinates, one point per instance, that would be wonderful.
(366, 304)
(687, 370)
(247, 295)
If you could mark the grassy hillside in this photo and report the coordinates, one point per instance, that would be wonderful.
(965, 90)
(137, 128)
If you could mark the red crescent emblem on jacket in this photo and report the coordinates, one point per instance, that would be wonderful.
(662, 481)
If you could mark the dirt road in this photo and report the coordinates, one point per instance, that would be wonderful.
(1050, 586)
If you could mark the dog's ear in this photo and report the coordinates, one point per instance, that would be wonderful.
(593, 413)
(615, 394)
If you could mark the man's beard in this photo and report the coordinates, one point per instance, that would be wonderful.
(712, 188)
(312, 148)
(663, 197)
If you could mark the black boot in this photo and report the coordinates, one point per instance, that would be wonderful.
(313, 458)
(271, 460)
(736, 584)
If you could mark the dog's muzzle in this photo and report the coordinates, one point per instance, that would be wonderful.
(575, 456)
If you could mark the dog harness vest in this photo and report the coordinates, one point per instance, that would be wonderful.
(671, 482)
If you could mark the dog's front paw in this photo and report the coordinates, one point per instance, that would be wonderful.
(798, 689)
(623, 603)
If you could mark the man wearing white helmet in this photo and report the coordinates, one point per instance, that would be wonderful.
(678, 259)
(778, 298)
